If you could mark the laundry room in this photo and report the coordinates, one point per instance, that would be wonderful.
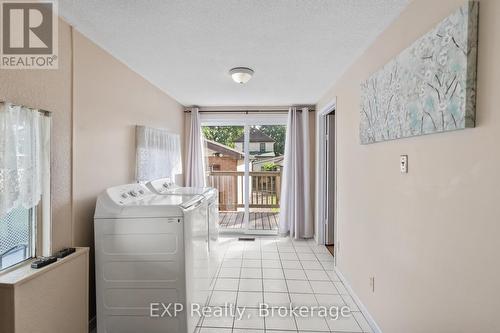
(249, 166)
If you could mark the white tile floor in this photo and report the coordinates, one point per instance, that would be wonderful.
(279, 271)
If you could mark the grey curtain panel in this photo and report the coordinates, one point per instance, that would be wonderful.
(296, 215)
(195, 168)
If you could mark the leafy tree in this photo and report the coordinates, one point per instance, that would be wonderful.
(270, 166)
(223, 134)
(227, 134)
(278, 133)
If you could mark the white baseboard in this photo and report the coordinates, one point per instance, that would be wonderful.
(364, 310)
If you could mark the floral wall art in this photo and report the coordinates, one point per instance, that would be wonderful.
(429, 88)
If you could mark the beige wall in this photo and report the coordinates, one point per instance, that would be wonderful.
(50, 90)
(430, 237)
(109, 100)
(96, 102)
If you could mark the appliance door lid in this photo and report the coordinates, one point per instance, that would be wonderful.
(195, 202)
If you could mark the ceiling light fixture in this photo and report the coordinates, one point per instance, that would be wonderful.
(241, 74)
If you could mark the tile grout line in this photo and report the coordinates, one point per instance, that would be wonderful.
(213, 289)
(343, 297)
(329, 279)
(238, 289)
(309, 281)
(262, 279)
(286, 284)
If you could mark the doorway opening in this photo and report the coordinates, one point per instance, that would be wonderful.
(330, 178)
(244, 161)
(326, 179)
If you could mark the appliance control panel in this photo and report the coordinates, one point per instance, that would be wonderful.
(126, 193)
(163, 185)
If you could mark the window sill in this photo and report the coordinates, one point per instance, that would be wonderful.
(6, 270)
(23, 272)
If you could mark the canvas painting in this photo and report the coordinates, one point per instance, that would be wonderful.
(429, 88)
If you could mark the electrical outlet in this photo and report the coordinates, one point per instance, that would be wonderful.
(372, 283)
(403, 163)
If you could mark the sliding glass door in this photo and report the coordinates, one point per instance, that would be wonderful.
(244, 160)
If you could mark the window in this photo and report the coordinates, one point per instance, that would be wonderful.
(17, 234)
(158, 154)
(262, 147)
(216, 167)
(24, 184)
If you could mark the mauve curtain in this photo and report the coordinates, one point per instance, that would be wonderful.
(296, 215)
(195, 168)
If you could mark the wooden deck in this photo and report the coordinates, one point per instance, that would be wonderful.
(258, 220)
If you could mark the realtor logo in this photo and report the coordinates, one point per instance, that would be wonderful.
(29, 35)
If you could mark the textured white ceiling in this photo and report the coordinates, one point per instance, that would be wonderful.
(298, 48)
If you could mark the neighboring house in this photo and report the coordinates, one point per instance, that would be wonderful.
(261, 144)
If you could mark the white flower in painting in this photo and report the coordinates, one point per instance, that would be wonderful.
(428, 75)
(448, 29)
(423, 49)
(442, 106)
(446, 40)
(422, 91)
(443, 59)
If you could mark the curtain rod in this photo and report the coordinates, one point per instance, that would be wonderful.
(246, 111)
(44, 112)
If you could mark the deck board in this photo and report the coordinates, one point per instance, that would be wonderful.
(232, 220)
(257, 220)
(240, 220)
(223, 219)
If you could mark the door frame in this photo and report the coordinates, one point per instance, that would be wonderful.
(321, 186)
(246, 120)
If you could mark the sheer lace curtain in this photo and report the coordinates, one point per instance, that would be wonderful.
(24, 156)
(295, 211)
(158, 154)
(195, 167)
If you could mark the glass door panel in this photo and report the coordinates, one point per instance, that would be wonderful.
(266, 156)
(225, 167)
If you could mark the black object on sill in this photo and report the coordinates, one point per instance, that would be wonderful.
(43, 261)
(247, 239)
(64, 252)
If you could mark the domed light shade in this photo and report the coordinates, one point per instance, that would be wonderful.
(241, 74)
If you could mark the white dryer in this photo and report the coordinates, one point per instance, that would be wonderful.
(165, 186)
(150, 250)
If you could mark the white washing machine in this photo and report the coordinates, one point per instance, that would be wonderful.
(150, 250)
(165, 186)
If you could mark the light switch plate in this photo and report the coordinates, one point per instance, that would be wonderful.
(403, 163)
